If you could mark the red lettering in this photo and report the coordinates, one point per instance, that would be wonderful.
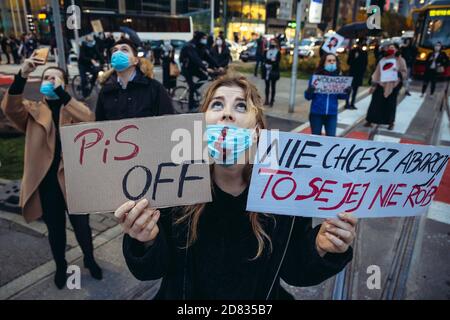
(314, 191)
(395, 193)
(323, 190)
(135, 151)
(276, 196)
(84, 145)
(383, 198)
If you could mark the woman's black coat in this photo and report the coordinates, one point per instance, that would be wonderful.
(275, 71)
(357, 61)
(441, 61)
(168, 259)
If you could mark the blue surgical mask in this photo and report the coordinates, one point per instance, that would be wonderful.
(330, 67)
(48, 90)
(204, 42)
(120, 61)
(227, 143)
(90, 43)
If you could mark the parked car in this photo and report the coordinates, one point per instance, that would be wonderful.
(249, 52)
(308, 47)
(235, 49)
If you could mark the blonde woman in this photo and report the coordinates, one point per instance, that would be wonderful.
(218, 250)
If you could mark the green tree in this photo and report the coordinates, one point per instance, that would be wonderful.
(393, 23)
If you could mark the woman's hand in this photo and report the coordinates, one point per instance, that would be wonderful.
(336, 235)
(371, 89)
(57, 82)
(138, 220)
(310, 90)
(29, 65)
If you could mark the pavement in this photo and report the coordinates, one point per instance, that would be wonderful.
(27, 268)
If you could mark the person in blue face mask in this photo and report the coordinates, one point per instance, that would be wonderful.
(129, 89)
(43, 188)
(324, 107)
(219, 250)
(89, 60)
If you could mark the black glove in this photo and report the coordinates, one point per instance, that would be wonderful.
(310, 90)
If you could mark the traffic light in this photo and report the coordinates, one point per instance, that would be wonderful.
(30, 21)
(379, 3)
(218, 8)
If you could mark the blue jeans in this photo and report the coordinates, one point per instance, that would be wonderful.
(317, 121)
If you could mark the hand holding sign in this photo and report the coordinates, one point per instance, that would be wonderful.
(138, 220)
(336, 235)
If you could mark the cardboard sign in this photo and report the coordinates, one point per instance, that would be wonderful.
(332, 43)
(388, 70)
(97, 26)
(317, 176)
(107, 163)
(330, 85)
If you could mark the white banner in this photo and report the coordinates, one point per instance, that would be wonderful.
(318, 176)
(315, 11)
(330, 85)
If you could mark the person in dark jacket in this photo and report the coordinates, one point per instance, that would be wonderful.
(4, 43)
(30, 44)
(221, 53)
(436, 63)
(129, 90)
(271, 71)
(14, 44)
(168, 58)
(89, 60)
(408, 52)
(357, 60)
(324, 106)
(195, 62)
(43, 188)
(218, 250)
(108, 43)
(260, 50)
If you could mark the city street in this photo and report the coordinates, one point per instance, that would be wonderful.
(318, 172)
(412, 253)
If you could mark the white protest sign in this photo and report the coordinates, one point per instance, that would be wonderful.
(318, 176)
(107, 163)
(330, 85)
(315, 11)
(332, 43)
(388, 70)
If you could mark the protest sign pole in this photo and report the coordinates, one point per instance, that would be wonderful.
(212, 18)
(295, 61)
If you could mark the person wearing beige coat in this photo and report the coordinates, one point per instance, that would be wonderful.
(42, 191)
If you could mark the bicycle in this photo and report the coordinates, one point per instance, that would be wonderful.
(77, 88)
(180, 94)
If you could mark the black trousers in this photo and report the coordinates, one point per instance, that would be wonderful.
(54, 216)
(7, 55)
(429, 76)
(193, 86)
(271, 89)
(259, 62)
(354, 92)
